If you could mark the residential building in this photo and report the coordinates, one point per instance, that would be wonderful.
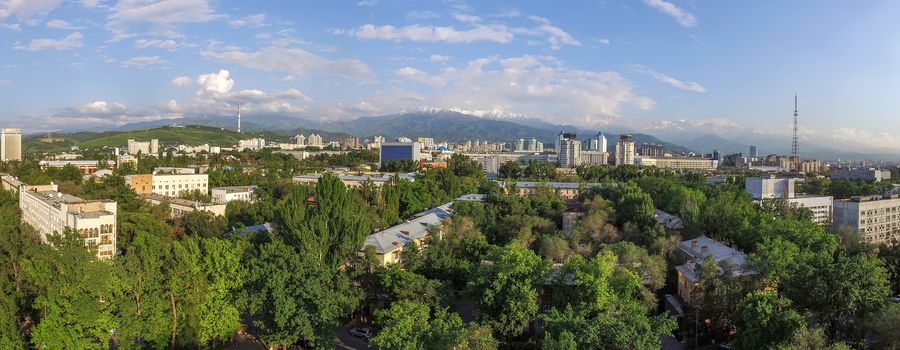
(533, 145)
(678, 163)
(597, 143)
(672, 223)
(389, 243)
(233, 193)
(255, 143)
(625, 150)
(875, 218)
(569, 151)
(86, 167)
(594, 157)
(491, 162)
(377, 179)
(315, 140)
(299, 140)
(693, 254)
(652, 150)
(145, 148)
(10, 183)
(565, 190)
(51, 212)
(519, 145)
(168, 184)
(768, 187)
(10, 144)
(822, 207)
(865, 174)
(179, 206)
(394, 151)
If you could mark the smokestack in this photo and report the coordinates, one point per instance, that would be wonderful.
(239, 118)
(704, 250)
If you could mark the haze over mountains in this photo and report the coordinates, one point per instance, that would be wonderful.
(455, 126)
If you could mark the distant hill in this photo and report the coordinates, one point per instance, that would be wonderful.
(709, 143)
(193, 134)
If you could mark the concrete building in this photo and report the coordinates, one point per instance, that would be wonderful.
(491, 162)
(625, 150)
(394, 151)
(355, 181)
(315, 140)
(569, 151)
(754, 153)
(694, 252)
(865, 174)
(10, 183)
(822, 207)
(168, 184)
(875, 218)
(565, 190)
(597, 143)
(769, 187)
(233, 193)
(594, 157)
(533, 145)
(10, 144)
(179, 206)
(51, 212)
(146, 147)
(252, 144)
(86, 167)
(389, 243)
(678, 163)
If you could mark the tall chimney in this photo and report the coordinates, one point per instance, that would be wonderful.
(239, 118)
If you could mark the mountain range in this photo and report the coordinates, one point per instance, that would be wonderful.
(454, 126)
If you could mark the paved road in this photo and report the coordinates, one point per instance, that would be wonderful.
(344, 340)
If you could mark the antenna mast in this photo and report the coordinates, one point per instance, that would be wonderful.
(795, 150)
(239, 118)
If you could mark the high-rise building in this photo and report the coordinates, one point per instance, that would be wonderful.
(625, 150)
(146, 147)
(533, 145)
(874, 218)
(315, 140)
(558, 140)
(754, 153)
(51, 212)
(10, 144)
(569, 151)
(597, 143)
(519, 146)
(299, 139)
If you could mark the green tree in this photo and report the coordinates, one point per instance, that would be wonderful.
(138, 286)
(409, 325)
(766, 321)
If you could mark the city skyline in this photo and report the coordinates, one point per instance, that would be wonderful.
(654, 66)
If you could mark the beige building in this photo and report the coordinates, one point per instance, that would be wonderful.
(145, 147)
(565, 190)
(865, 174)
(678, 163)
(233, 193)
(171, 185)
(377, 179)
(10, 183)
(875, 218)
(625, 150)
(594, 157)
(10, 144)
(694, 252)
(50, 212)
(389, 244)
(180, 206)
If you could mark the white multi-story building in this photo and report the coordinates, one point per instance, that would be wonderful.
(569, 151)
(233, 193)
(875, 218)
(594, 157)
(315, 140)
(146, 147)
(865, 174)
(769, 187)
(299, 140)
(822, 207)
(678, 163)
(254, 143)
(179, 206)
(597, 143)
(10, 144)
(168, 184)
(625, 150)
(51, 212)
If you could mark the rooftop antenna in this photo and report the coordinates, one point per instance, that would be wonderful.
(795, 150)
(239, 118)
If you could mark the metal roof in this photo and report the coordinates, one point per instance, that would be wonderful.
(400, 235)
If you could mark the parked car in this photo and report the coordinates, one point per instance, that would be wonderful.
(361, 332)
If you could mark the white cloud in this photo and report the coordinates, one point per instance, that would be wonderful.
(466, 18)
(440, 58)
(13, 27)
(684, 85)
(25, 9)
(603, 41)
(684, 18)
(60, 24)
(493, 32)
(163, 14)
(368, 3)
(869, 139)
(421, 15)
(539, 86)
(71, 41)
(417, 75)
(5, 82)
(90, 3)
(182, 81)
(296, 62)
(255, 21)
(144, 61)
(101, 107)
(215, 83)
(557, 37)
(167, 44)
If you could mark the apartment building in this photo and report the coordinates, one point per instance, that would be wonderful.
(865, 174)
(86, 167)
(50, 212)
(678, 163)
(377, 179)
(233, 193)
(389, 243)
(693, 254)
(625, 150)
(171, 185)
(10, 144)
(145, 148)
(875, 218)
(768, 187)
(179, 207)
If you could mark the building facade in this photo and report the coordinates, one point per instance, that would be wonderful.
(769, 187)
(86, 167)
(569, 151)
(865, 174)
(389, 244)
(678, 163)
(594, 157)
(171, 185)
(145, 147)
(233, 193)
(625, 150)
(694, 252)
(179, 207)
(875, 218)
(10, 144)
(822, 207)
(394, 151)
(51, 212)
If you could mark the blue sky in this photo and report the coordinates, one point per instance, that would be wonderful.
(662, 66)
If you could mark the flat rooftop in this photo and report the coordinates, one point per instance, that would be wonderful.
(178, 201)
(236, 189)
(57, 199)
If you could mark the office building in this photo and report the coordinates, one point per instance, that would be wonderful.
(625, 150)
(864, 174)
(394, 151)
(10, 144)
(678, 163)
(145, 148)
(233, 193)
(597, 143)
(569, 155)
(51, 212)
(179, 206)
(594, 157)
(693, 254)
(754, 153)
(168, 184)
(875, 218)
